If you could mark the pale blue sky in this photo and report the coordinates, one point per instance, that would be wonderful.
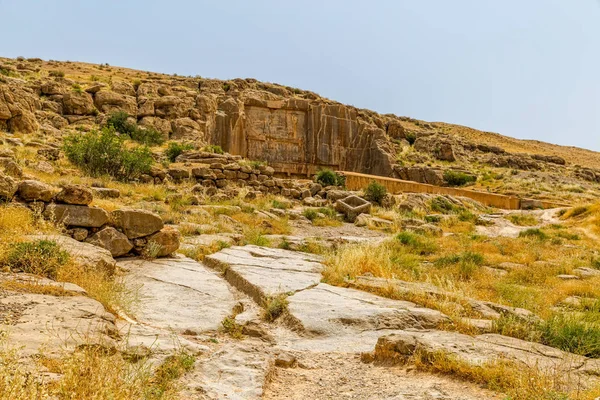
(523, 68)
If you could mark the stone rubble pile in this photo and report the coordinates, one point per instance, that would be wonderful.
(121, 232)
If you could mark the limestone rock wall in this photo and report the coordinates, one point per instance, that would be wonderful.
(295, 131)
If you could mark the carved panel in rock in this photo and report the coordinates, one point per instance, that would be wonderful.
(276, 135)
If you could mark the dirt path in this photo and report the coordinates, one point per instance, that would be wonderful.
(343, 376)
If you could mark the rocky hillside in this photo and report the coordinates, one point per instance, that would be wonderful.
(297, 132)
(138, 260)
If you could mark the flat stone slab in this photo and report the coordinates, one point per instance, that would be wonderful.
(487, 348)
(178, 294)
(54, 324)
(330, 318)
(237, 371)
(263, 272)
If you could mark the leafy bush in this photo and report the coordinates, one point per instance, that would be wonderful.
(42, 257)
(104, 152)
(211, 148)
(148, 136)
(327, 177)
(175, 149)
(457, 178)
(310, 213)
(411, 138)
(375, 192)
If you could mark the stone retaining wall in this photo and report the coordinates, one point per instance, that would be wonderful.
(356, 181)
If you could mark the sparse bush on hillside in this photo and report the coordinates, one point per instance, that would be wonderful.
(175, 149)
(375, 192)
(457, 178)
(105, 153)
(148, 136)
(42, 257)
(327, 177)
(411, 138)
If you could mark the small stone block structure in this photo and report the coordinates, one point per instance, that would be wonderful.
(352, 206)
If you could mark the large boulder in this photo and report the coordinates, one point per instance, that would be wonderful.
(112, 240)
(31, 190)
(78, 103)
(75, 194)
(165, 242)
(8, 187)
(73, 215)
(136, 223)
(108, 102)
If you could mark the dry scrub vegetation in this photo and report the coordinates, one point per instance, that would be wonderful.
(520, 272)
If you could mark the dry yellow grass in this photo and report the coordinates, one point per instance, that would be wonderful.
(515, 381)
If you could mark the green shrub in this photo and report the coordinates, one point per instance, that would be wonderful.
(457, 178)
(572, 334)
(533, 233)
(175, 149)
(42, 257)
(327, 177)
(211, 148)
(148, 136)
(411, 138)
(104, 152)
(311, 214)
(375, 192)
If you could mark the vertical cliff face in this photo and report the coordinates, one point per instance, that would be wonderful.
(299, 136)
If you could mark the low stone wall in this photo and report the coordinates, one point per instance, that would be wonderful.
(356, 181)
(220, 171)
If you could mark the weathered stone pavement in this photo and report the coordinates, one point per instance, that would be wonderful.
(54, 324)
(179, 294)
(323, 317)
